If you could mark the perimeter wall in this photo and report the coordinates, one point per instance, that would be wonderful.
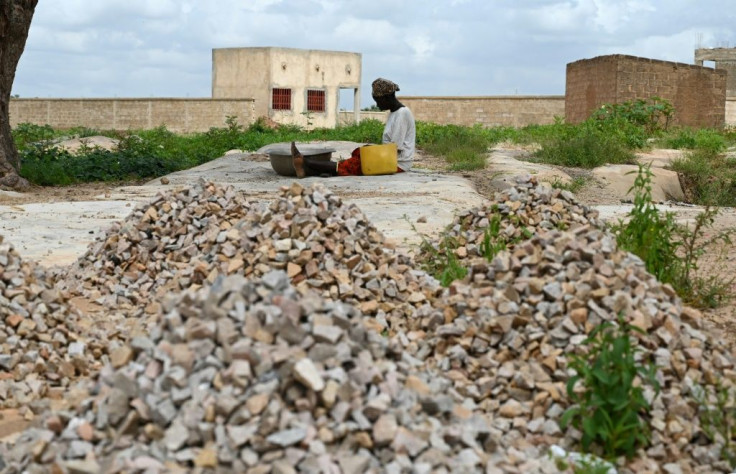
(199, 115)
(178, 115)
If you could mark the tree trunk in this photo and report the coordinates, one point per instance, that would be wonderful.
(15, 21)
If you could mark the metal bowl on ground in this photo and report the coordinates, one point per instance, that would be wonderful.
(280, 155)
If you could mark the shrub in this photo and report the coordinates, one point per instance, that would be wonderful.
(24, 134)
(45, 165)
(651, 115)
(649, 234)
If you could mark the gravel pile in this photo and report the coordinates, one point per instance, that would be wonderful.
(186, 239)
(44, 344)
(518, 212)
(346, 357)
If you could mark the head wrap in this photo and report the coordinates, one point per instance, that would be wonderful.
(382, 87)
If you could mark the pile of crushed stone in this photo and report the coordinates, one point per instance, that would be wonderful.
(349, 357)
(186, 239)
(44, 343)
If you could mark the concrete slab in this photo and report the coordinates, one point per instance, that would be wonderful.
(402, 206)
(58, 233)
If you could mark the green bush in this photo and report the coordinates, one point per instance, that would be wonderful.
(24, 134)
(651, 115)
(45, 165)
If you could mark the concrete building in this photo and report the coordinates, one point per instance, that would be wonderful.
(290, 86)
(697, 93)
(724, 58)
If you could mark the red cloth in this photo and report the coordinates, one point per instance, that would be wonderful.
(352, 167)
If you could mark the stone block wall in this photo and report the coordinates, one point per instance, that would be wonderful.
(697, 93)
(488, 111)
(198, 115)
(178, 115)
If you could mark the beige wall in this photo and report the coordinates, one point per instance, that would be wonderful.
(731, 112)
(347, 117)
(197, 115)
(178, 115)
(489, 111)
(254, 72)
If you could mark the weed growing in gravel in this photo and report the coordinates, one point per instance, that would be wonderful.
(440, 259)
(671, 251)
(441, 262)
(493, 242)
(717, 412)
(650, 234)
(573, 186)
(610, 408)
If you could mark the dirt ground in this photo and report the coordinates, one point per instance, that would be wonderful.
(720, 260)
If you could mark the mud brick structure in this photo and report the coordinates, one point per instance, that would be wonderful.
(697, 93)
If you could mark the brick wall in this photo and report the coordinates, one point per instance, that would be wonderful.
(697, 93)
(489, 111)
(178, 115)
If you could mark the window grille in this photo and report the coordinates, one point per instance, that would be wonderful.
(315, 101)
(281, 99)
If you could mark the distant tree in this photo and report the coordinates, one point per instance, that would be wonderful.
(15, 21)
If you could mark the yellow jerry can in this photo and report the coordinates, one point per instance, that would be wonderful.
(378, 159)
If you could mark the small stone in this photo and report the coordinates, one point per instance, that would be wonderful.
(384, 430)
(306, 373)
(207, 457)
(286, 438)
(121, 356)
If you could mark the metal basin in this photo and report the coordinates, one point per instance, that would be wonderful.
(280, 155)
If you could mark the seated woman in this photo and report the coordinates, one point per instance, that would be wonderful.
(400, 129)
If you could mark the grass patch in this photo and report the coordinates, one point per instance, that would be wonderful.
(583, 146)
(709, 177)
(686, 138)
(464, 148)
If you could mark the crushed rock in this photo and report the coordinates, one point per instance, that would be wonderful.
(288, 336)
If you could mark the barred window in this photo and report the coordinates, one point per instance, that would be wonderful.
(315, 101)
(281, 99)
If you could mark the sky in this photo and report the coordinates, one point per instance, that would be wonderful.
(163, 48)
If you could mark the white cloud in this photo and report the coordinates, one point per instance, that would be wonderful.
(163, 47)
(422, 46)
